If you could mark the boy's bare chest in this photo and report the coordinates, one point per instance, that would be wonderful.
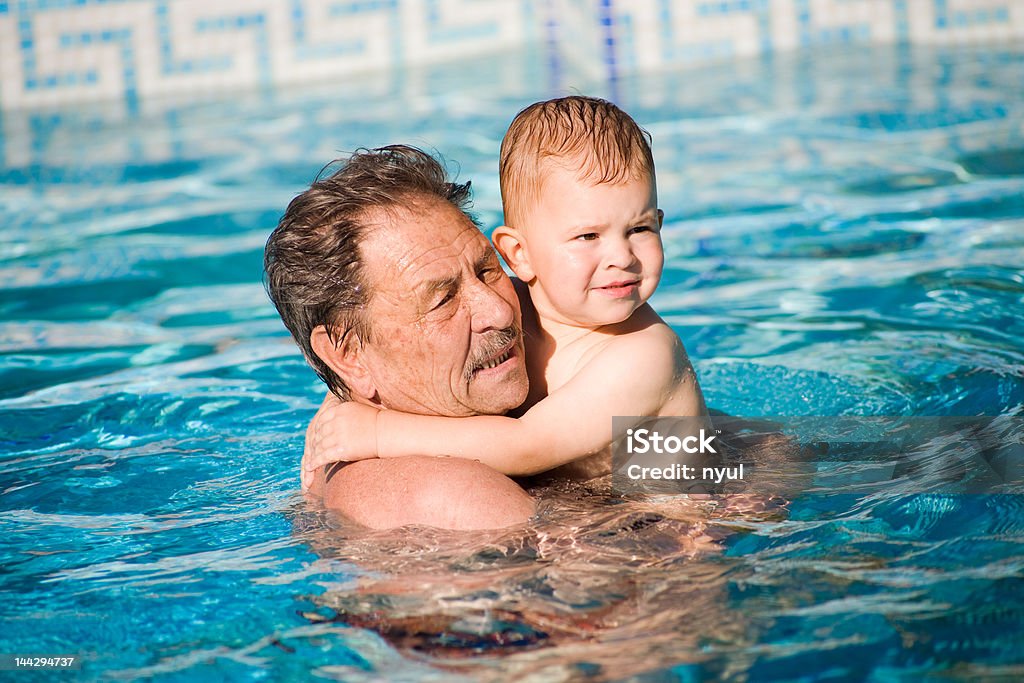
(564, 361)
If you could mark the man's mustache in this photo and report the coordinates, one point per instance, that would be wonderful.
(492, 345)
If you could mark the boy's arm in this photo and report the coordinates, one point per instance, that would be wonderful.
(634, 374)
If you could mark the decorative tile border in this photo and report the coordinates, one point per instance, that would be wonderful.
(58, 51)
(54, 52)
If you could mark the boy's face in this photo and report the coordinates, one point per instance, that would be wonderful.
(594, 249)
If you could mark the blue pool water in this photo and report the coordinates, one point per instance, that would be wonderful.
(844, 236)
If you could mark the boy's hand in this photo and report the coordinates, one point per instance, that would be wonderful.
(340, 431)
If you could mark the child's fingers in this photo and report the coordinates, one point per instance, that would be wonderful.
(308, 468)
(310, 464)
(311, 461)
(305, 472)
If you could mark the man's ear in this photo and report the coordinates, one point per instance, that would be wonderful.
(510, 245)
(346, 359)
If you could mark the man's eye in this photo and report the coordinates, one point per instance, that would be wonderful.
(489, 274)
(444, 300)
(587, 236)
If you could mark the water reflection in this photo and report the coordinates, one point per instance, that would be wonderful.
(607, 586)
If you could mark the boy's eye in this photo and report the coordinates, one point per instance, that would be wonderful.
(639, 228)
(587, 236)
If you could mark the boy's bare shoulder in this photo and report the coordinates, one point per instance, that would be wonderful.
(645, 328)
(654, 354)
(646, 361)
(644, 342)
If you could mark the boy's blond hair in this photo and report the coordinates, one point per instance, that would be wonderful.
(586, 133)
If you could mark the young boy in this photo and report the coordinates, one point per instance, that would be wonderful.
(583, 236)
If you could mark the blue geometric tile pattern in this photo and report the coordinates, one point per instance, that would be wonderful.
(58, 51)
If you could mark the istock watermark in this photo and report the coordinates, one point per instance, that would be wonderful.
(649, 441)
(644, 441)
(790, 455)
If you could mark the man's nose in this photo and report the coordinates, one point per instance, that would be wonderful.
(491, 310)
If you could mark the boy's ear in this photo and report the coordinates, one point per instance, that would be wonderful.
(661, 218)
(346, 359)
(510, 245)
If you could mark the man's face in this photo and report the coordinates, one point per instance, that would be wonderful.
(446, 333)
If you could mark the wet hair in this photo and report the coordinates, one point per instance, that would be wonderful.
(314, 269)
(590, 135)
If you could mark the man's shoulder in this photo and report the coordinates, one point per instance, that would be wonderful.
(450, 493)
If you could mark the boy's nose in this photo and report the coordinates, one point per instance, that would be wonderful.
(619, 254)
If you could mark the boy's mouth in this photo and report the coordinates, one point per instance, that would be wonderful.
(621, 288)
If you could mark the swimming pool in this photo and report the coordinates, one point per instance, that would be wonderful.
(844, 236)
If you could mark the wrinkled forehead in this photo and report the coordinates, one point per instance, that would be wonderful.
(422, 239)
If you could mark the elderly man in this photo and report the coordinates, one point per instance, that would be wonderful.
(357, 268)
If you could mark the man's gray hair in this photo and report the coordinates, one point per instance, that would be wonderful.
(314, 272)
